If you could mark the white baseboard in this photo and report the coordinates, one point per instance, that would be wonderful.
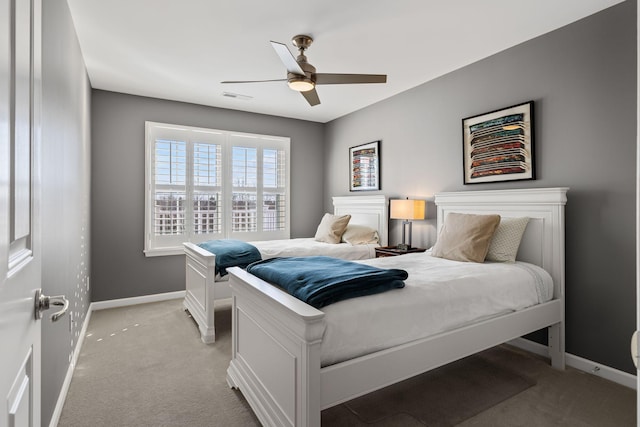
(57, 411)
(588, 366)
(123, 302)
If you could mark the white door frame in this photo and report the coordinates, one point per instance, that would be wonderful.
(20, 178)
(637, 346)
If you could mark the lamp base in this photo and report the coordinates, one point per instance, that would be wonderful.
(405, 246)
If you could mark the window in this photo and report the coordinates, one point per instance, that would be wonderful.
(207, 184)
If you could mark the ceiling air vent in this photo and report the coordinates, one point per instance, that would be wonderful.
(237, 96)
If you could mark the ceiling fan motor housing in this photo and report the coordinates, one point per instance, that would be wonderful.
(302, 41)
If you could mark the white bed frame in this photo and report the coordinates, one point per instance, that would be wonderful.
(201, 285)
(276, 338)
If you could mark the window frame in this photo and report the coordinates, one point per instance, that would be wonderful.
(159, 245)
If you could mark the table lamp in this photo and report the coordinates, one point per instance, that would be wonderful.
(407, 210)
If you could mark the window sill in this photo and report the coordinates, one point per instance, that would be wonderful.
(163, 252)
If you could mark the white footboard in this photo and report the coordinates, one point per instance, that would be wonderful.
(275, 358)
(202, 289)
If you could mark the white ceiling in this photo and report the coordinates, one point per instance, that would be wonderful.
(182, 50)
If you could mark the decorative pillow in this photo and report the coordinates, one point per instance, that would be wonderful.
(331, 228)
(360, 235)
(465, 237)
(506, 240)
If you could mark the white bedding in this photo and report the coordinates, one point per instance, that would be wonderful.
(439, 295)
(310, 247)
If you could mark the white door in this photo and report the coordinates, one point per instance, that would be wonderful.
(20, 265)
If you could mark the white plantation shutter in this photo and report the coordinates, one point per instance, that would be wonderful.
(244, 171)
(170, 187)
(274, 190)
(207, 184)
(207, 199)
(259, 180)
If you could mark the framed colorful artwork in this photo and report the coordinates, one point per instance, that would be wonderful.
(498, 146)
(364, 167)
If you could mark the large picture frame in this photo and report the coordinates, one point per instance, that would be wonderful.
(364, 167)
(498, 146)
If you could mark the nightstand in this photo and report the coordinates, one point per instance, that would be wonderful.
(384, 251)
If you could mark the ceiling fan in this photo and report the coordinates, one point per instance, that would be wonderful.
(302, 76)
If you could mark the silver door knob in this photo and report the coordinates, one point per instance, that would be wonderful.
(44, 302)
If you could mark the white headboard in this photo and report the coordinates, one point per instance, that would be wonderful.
(372, 211)
(543, 240)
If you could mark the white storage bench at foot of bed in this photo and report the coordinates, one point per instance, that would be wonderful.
(277, 339)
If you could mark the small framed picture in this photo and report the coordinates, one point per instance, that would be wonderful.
(498, 146)
(364, 167)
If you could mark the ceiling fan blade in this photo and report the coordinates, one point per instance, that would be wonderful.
(287, 58)
(254, 81)
(337, 79)
(311, 96)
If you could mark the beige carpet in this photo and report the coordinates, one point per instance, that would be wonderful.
(146, 366)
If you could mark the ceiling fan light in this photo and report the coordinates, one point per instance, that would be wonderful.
(301, 85)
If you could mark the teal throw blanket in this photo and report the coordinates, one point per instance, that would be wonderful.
(231, 253)
(321, 280)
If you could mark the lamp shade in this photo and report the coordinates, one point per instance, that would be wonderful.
(407, 209)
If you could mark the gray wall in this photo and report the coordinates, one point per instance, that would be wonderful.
(583, 80)
(65, 193)
(119, 268)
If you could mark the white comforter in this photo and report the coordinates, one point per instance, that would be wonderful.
(311, 247)
(308, 246)
(439, 295)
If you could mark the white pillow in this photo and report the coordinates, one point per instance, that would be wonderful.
(506, 239)
(356, 234)
(331, 228)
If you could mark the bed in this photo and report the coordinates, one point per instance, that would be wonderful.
(203, 286)
(277, 339)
